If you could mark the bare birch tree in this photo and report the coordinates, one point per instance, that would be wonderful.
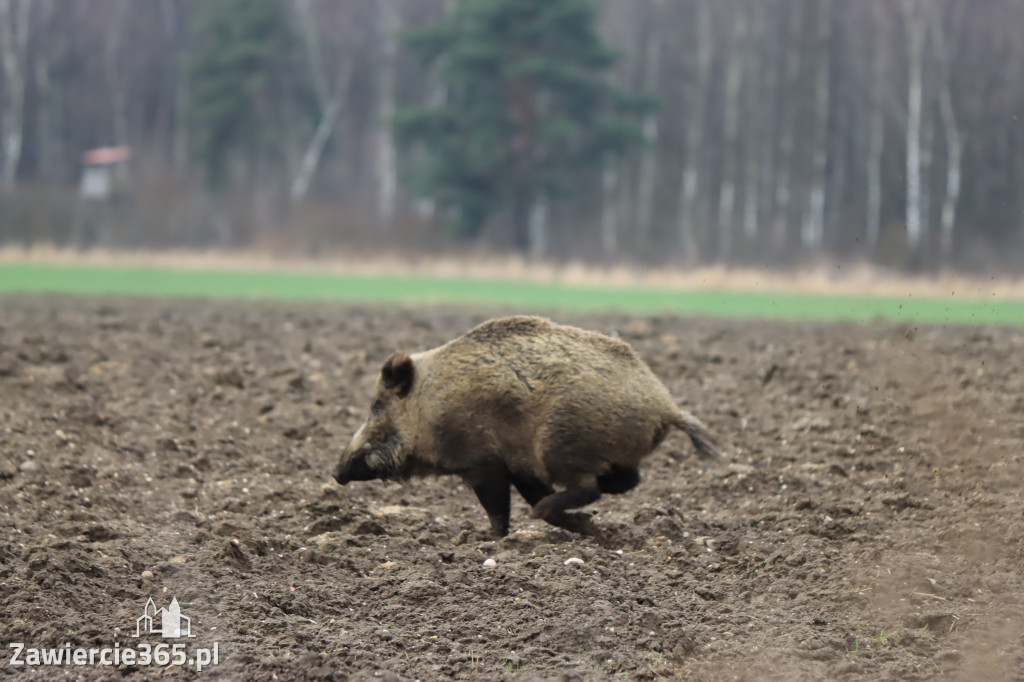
(609, 208)
(730, 135)
(538, 226)
(173, 27)
(647, 182)
(688, 213)
(954, 147)
(772, 109)
(113, 41)
(813, 228)
(14, 32)
(876, 131)
(787, 136)
(756, 125)
(914, 27)
(48, 138)
(388, 27)
(330, 93)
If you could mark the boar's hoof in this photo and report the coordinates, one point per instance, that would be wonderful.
(577, 522)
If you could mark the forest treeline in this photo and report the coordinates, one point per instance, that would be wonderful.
(766, 132)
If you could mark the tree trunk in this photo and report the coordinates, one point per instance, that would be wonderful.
(731, 121)
(773, 52)
(171, 20)
(14, 29)
(609, 209)
(813, 229)
(688, 213)
(787, 136)
(876, 138)
(755, 128)
(954, 151)
(112, 50)
(839, 144)
(522, 209)
(311, 41)
(426, 206)
(539, 228)
(47, 137)
(389, 26)
(915, 95)
(954, 145)
(330, 96)
(647, 182)
(311, 159)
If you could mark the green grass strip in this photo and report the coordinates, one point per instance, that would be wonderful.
(526, 296)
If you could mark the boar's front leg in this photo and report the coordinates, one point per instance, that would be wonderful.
(491, 485)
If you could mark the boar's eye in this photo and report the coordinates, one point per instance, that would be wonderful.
(377, 407)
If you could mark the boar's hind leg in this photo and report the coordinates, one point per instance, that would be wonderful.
(491, 485)
(618, 480)
(584, 492)
(534, 490)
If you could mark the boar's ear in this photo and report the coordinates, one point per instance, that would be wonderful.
(397, 373)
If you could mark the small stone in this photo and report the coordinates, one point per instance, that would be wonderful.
(490, 563)
(147, 575)
(307, 554)
(29, 466)
(573, 560)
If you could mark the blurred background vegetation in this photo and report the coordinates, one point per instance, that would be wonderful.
(678, 132)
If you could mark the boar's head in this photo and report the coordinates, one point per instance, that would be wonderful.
(380, 448)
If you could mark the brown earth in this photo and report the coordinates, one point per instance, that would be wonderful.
(868, 523)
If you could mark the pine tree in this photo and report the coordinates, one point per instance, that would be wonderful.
(246, 86)
(527, 108)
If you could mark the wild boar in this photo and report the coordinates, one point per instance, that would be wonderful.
(521, 401)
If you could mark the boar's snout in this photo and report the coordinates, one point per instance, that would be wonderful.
(354, 467)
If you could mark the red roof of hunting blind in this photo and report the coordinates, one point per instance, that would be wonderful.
(105, 156)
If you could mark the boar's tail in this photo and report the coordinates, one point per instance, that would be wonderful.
(702, 439)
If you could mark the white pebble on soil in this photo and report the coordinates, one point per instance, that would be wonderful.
(147, 575)
(490, 563)
(573, 560)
